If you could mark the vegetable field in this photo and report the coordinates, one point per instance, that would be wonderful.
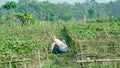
(91, 45)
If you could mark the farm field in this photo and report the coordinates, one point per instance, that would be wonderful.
(26, 46)
(90, 28)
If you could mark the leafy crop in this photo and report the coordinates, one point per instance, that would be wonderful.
(16, 39)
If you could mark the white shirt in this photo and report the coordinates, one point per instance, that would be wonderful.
(59, 43)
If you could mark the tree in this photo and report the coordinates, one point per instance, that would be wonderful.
(91, 13)
(10, 5)
(113, 8)
(63, 11)
(65, 16)
(8, 16)
(93, 1)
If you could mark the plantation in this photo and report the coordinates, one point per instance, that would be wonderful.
(85, 41)
(91, 30)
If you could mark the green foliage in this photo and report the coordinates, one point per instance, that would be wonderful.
(50, 16)
(104, 19)
(85, 12)
(65, 16)
(91, 12)
(28, 38)
(65, 35)
(10, 5)
(8, 19)
(63, 12)
(23, 18)
(15, 41)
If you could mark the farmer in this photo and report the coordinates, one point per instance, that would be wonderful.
(58, 46)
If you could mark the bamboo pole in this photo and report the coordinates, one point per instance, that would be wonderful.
(115, 65)
(15, 61)
(10, 64)
(39, 59)
(47, 45)
(98, 60)
(24, 64)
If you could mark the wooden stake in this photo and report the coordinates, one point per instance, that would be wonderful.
(39, 59)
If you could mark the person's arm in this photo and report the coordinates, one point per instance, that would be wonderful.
(52, 46)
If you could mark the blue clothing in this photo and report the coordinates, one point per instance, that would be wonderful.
(56, 49)
(65, 49)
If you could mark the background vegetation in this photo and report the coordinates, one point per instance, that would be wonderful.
(46, 11)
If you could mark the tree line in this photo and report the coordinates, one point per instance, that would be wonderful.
(27, 11)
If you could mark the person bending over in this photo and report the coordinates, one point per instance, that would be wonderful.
(58, 46)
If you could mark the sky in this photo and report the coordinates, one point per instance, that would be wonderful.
(58, 1)
(73, 1)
